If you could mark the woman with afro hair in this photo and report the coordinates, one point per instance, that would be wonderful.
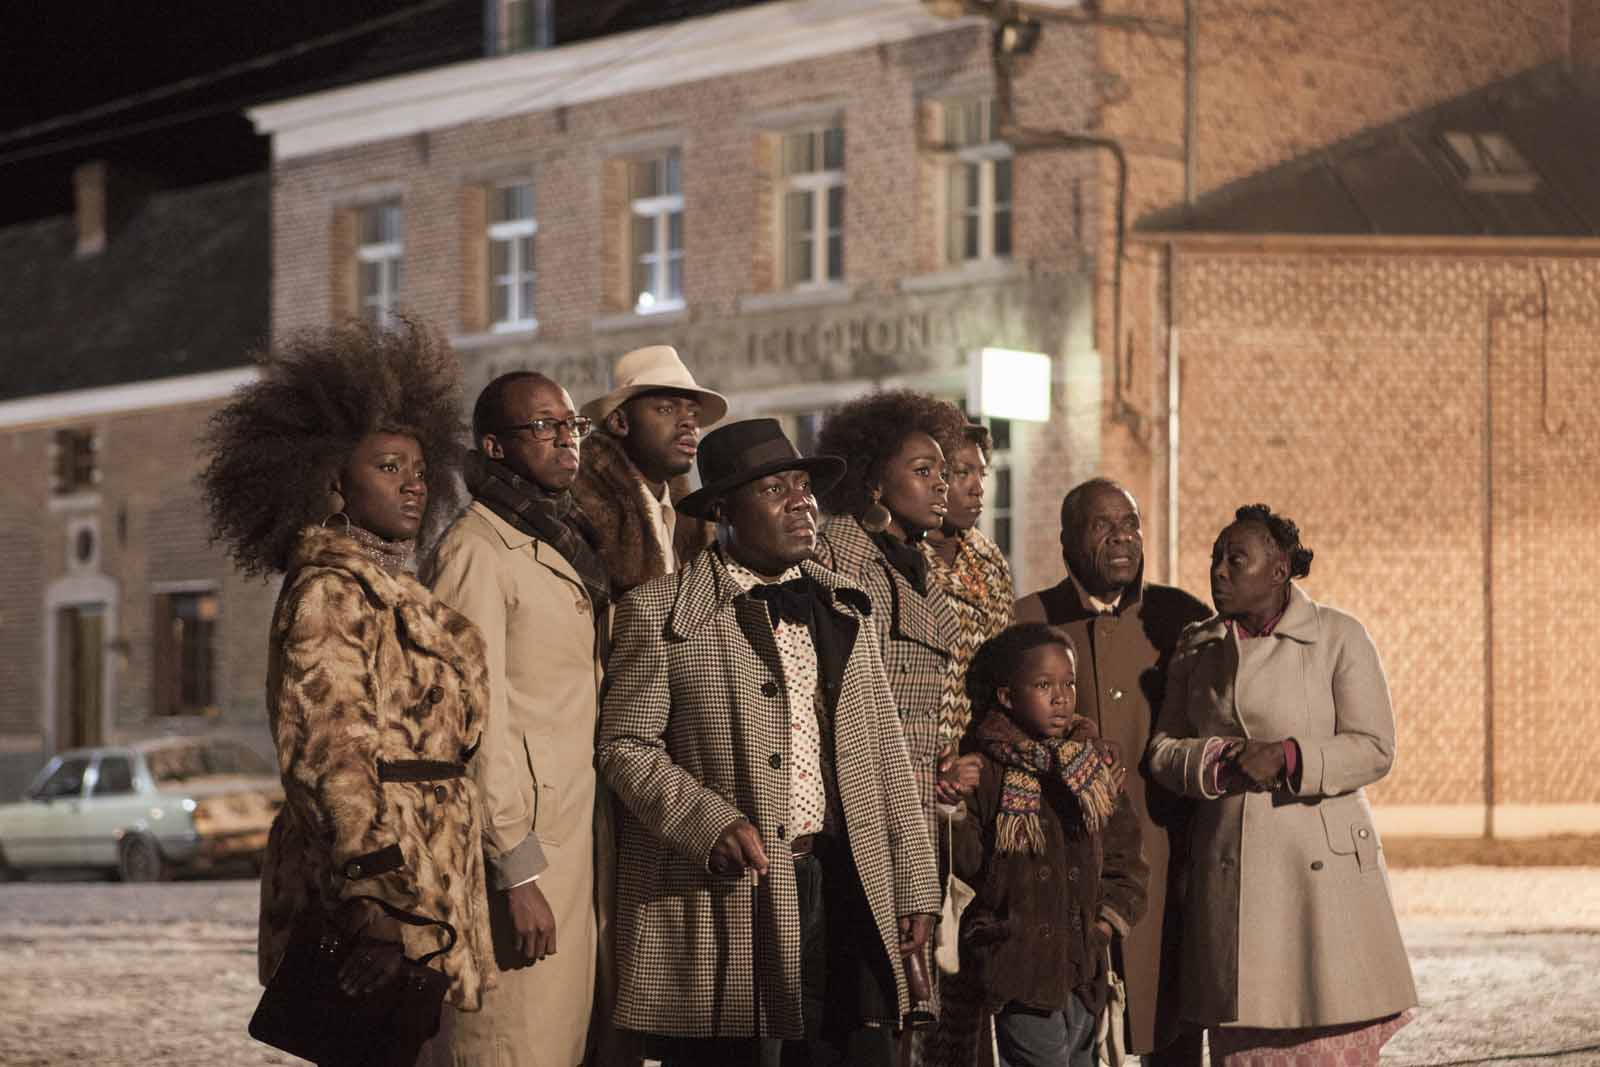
(325, 470)
(895, 489)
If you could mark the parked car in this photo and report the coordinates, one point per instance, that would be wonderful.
(145, 810)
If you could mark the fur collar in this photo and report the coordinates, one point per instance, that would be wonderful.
(609, 489)
(427, 622)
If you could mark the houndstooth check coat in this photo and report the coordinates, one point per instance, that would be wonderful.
(694, 734)
(916, 635)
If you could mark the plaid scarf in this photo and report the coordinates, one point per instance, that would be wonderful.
(553, 518)
(1078, 764)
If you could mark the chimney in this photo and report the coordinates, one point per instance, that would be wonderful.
(89, 195)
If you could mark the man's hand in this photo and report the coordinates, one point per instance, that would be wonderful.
(958, 776)
(738, 847)
(1262, 763)
(914, 931)
(533, 920)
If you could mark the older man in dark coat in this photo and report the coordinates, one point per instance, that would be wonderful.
(775, 865)
(1125, 630)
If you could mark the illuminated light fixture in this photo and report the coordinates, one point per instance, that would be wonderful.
(1006, 384)
(1016, 36)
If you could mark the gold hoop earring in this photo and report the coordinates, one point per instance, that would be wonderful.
(876, 518)
(338, 515)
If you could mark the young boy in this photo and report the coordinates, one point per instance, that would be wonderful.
(1051, 847)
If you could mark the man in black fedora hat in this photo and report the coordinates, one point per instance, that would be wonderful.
(775, 867)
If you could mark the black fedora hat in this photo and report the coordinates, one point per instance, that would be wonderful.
(743, 451)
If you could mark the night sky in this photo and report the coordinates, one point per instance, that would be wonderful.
(61, 57)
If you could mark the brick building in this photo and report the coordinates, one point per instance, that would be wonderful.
(1402, 331)
(812, 199)
(123, 326)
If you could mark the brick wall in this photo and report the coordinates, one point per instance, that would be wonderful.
(1349, 393)
(152, 528)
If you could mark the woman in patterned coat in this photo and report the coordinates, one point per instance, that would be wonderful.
(976, 580)
(894, 491)
(325, 470)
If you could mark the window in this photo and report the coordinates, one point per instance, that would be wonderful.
(977, 184)
(114, 777)
(511, 272)
(655, 194)
(1490, 163)
(75, 467)
(64, 780)
(185, 652)
(813, 207)
(378, 261)
(999, 518)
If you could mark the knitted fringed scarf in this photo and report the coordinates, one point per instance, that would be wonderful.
(1078, 765)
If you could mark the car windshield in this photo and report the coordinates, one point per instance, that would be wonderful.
(180, 762)
(66, 780)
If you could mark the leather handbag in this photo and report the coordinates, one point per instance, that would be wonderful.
(305, 1013)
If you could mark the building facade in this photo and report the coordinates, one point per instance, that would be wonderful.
(124, 328)
(813, 199)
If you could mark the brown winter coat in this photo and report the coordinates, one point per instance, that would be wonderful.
(1030, 931)
(1122, 663)
(694, 735)
(365, 666)
(1289, 921)
(610, 490)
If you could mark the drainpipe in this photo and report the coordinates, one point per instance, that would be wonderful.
(1173, 422)
(1191, 79)
(1488, 570)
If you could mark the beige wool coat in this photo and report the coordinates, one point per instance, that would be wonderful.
(536, 775)
(366, 667)
(695, 735)
(1290, 923)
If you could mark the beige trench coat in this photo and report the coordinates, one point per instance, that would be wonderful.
(536, 774)
(1290, 922)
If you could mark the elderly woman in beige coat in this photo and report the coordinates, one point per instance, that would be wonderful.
(1277, 714)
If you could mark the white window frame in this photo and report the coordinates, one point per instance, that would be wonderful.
(659, 208)
(986, 157)
(1008, 459)
(816, 184)
(387, 255)
(510, 233)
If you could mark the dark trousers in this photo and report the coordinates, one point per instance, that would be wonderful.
(844, 979)
(1184, 1051)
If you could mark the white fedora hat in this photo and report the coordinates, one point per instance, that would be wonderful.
(646, 370)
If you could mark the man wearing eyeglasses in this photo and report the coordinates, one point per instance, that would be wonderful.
(520, 562)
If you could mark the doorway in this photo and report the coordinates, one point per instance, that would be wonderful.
(80, 675)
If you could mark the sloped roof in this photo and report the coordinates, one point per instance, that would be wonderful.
(1402, 178)
(182, 287)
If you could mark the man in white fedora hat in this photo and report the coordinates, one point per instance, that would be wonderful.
(637, 467)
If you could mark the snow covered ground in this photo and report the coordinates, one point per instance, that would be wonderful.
(1507, 962)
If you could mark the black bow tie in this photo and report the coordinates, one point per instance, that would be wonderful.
(787, 601)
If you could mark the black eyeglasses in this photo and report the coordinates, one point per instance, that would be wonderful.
(579, 426)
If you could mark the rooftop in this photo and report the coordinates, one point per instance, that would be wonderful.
(1520, 158)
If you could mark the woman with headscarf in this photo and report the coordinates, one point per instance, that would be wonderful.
(894, 490)
(325, 470)
(1277, 715)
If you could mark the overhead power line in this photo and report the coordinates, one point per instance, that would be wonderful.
(198, 81)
